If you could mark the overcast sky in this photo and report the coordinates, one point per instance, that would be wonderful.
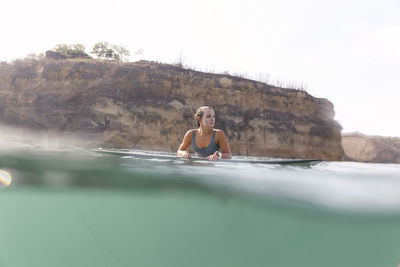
(347, 51)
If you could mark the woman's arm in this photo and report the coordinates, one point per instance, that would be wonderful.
(223, 144)
(187, 140)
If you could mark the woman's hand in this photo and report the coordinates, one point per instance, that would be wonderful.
(184, 154)
(214, 156)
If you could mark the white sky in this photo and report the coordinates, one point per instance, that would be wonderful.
(347, 51)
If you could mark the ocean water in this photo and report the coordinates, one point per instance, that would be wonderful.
(77, 207)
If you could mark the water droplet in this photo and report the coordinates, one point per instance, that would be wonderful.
(5, 178)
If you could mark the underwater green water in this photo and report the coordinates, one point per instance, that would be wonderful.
(86, 209)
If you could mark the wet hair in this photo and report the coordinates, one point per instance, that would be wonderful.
(199, 113)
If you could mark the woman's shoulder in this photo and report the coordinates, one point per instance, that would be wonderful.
(190, 132)
(219, 132)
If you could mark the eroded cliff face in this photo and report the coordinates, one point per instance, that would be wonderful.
(377, 149)
(151, 106)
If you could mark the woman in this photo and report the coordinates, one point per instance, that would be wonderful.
(206, 141)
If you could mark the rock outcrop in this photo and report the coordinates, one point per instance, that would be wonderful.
(377, 149)
(150, 106)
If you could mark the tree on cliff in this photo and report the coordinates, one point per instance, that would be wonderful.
(70, 49)
(108, 51)
(63, 51)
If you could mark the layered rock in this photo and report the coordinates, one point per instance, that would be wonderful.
(150, 106)
(377, 149)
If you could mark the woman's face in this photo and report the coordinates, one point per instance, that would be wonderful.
(208, 119)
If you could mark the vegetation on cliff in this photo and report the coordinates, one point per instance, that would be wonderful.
(102, 50)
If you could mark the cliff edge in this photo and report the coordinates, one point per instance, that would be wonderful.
(150, 105)
(366, 148)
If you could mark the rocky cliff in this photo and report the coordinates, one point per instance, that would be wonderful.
(150, 106)
(364, 148)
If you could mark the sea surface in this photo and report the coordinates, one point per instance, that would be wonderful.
(79, 207)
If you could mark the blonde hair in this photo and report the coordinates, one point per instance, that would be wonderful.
(200, 112)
